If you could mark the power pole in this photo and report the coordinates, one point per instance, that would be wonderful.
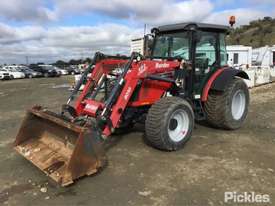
(145, 29)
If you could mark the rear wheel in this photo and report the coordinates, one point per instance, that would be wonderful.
(228, 109)
(46, 75)
(169, 123)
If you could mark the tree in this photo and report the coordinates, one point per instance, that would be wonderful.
(267, 18)
(60, 63)
(88, 60)
(74, 62)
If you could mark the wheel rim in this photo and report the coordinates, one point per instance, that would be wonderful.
(238, 104)
(178, 125)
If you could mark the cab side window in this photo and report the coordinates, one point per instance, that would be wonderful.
(223, 54)
(206, 50)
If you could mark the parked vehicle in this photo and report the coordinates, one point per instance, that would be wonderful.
(29, 73)
(46, 70)
(4, 75)
(82, 67)
(14, 73)
(73, 70)
(61, 71)
(264, 56)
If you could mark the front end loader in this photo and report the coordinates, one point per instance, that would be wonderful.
(63, 150)
(185, 78)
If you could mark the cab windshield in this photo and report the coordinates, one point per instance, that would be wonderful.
(172, 45)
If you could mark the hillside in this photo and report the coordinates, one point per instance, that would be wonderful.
(257, 34)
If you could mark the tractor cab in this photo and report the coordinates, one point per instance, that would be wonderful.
(201, 46)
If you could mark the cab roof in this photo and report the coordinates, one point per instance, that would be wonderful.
(193, 26)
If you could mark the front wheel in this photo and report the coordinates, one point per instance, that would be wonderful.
(228, 109)
(169, 123)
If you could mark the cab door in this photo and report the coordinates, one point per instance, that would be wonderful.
(210, 55)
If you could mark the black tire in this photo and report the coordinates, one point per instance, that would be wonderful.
(30, 76)
(218, 106)
(46, 75)
(72, 73)
(11, 77)
(159, 120)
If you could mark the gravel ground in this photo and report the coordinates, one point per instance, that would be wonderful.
(212, 163)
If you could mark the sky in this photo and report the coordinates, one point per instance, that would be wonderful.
(49, 30)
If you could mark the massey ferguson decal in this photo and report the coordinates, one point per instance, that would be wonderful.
(162, 65)
(126, 96)
(90, 107)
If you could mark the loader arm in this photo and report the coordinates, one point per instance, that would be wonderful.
(110, 111)
(108, 114)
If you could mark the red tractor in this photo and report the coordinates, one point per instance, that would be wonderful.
(184, 79)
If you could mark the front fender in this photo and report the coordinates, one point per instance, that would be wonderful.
(220, 79)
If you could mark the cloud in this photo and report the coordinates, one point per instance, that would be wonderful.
(26, 11)
(12, 35)
(144, 11)
(54, 43)
(113, 8)
(43, 43)
(193, 10)
(243, 16)
(260, 1)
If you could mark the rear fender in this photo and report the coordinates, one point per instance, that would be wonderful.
(220, 79)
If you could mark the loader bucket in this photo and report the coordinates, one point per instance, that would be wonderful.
(61, 149)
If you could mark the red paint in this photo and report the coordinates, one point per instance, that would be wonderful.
(150, 90)
(209, 84)
(91, 107)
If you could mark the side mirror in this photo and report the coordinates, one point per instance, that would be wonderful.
(154, 31)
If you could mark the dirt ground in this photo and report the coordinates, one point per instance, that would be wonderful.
(212, 162)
